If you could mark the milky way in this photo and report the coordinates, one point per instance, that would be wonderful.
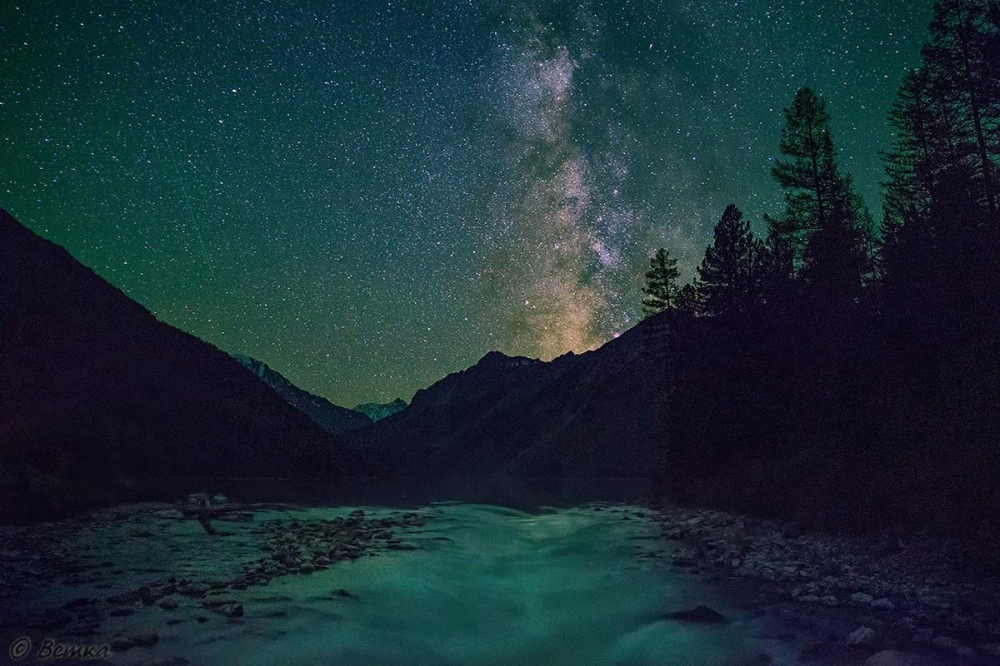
(368, 196)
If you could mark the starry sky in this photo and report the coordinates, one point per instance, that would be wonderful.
(369, 195)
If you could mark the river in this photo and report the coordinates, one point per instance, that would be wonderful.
(482, 585)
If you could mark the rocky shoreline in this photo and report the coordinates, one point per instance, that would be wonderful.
(250, 554)
(913, 598)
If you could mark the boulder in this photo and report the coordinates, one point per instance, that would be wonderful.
(51, 619)
(900, 658)
(700, 615)
(755, 659)
(992, 649)
(862, 636)
(170, 514)
(344, 594)
(79, 603)
(833, 653)
(124, 598)
(147, 595)
(121, 643)
(231, 610)
(947, 643)
(167, 661)
(965, 652)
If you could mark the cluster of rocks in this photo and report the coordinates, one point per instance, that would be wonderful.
(910, 591)
(298, 546)
(32, 558)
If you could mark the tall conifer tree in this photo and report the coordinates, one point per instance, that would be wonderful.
(661, 283)
(732, 270)
(824, 220)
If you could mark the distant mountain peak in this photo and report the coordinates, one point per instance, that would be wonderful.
(377, 411)
(499, 359)
(582, 415)
(256, 366)
(332, 418)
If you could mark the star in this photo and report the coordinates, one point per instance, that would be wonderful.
(369, 196)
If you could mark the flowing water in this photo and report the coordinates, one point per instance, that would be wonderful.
(485, 585)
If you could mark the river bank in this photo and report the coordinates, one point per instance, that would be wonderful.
(116, 581)
(912, 593)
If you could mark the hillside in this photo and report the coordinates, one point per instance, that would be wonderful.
(96, 394)
(589, 415)
(377, 411)
(328, 416)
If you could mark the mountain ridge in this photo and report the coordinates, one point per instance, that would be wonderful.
(96, 394)
(377, 411)
(334, 419)
(580, 415)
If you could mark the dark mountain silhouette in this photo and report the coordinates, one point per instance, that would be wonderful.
(376, 411)
(96, 395)
(328, 416)
(589, 415)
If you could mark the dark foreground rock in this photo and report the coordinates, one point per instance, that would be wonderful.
(231, 610)
(910, 598)
(902, 658)
(51, 619)
(699, 615)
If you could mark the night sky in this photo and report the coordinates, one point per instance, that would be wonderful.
(370, 195)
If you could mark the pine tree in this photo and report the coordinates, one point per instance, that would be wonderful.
(779, 286)
(805, 142)
(823, 216)
(689, 301)
(942, 204)
(922, 146)
(962, 63)
(732, 270)
(661, 283)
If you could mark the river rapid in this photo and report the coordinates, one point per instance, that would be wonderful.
(472, 584)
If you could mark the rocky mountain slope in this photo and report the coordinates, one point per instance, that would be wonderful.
(328, 416)
(96, 395)
(377, 411)
(590, 415)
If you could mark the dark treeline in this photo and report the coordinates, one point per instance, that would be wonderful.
(840, 371)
